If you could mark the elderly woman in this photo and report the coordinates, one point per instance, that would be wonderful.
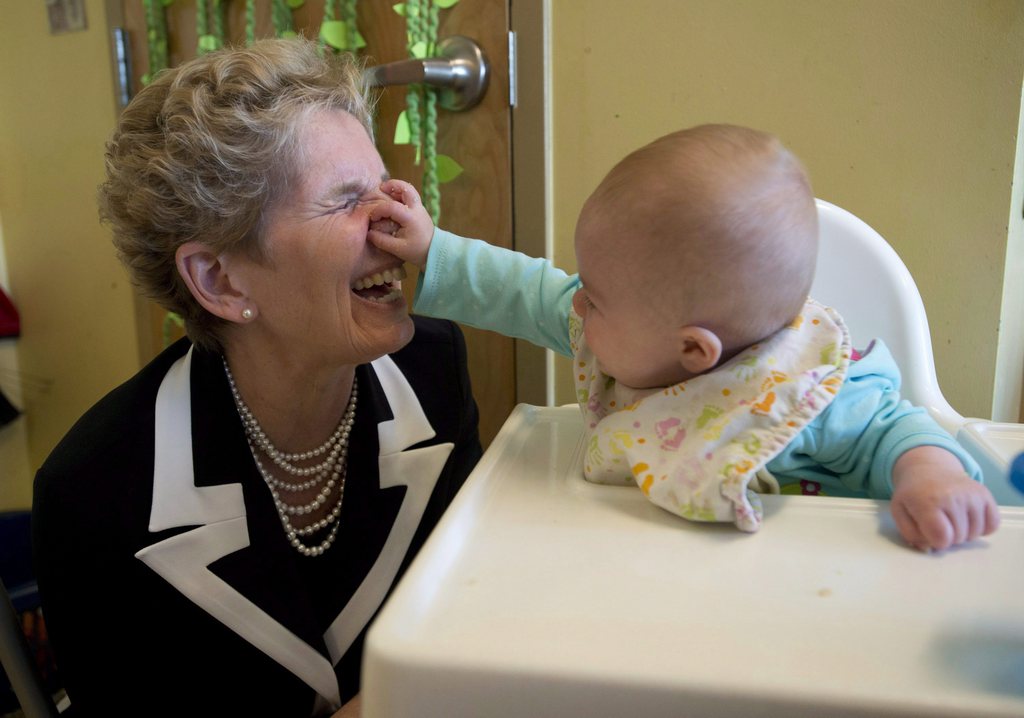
(214, 536)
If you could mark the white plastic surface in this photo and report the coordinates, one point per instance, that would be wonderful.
(994, 446)
(542, 595)
(860, 275)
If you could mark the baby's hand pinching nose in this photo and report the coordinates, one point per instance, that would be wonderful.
(402, 230)
(400, 224)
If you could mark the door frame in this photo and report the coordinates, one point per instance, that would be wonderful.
(532, 174)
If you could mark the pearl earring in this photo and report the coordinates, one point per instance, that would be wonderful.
(248, 314)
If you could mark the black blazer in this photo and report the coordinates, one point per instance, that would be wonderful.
(167, 583)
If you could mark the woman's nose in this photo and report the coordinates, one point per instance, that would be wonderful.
(368, 206)
(379, 221)
(385, 225)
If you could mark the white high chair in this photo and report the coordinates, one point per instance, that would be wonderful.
(860, 275)
(540, 594)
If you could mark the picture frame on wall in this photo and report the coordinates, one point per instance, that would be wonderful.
(65, 15)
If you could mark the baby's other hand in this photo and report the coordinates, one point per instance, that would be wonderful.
(401, 225)
(935, 504)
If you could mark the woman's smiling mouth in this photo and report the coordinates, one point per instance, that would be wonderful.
(381, 287)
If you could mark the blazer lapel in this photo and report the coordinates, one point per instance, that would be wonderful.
(416, 469)
(219, 512)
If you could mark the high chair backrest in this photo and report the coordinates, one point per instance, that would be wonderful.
(861, 276)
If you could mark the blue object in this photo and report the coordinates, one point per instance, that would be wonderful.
(25, 617)
(16, 570)
(1017, 473)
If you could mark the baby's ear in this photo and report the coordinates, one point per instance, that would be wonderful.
(699, 349)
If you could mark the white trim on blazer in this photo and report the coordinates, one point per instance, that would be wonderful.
(182, 560)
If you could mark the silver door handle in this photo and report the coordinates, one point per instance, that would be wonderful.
(461, 71)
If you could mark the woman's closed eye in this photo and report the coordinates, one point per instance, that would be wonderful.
(350, 204)
(334, 206)
(344, 205)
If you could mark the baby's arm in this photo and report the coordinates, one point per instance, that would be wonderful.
(473, 282)
(871, 440)
(935, 504)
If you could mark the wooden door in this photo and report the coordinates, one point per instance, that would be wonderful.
(478, 203)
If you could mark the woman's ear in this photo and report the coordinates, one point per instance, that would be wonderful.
(207, 279)
(699, 349)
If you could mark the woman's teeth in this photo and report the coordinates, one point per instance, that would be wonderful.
(386, 277)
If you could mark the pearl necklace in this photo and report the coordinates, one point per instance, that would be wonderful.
(334, 466)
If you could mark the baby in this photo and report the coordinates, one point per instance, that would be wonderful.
(704, 372)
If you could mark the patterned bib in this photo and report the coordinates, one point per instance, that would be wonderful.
(694, 448)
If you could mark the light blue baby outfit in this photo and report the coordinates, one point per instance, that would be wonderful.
(848, 449)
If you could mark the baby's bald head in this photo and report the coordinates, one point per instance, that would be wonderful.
(719, 221)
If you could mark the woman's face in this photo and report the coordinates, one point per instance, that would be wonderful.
(316, 294)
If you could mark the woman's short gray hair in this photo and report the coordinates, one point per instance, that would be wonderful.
(205, 150)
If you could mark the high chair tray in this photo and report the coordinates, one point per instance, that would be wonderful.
(542, 595)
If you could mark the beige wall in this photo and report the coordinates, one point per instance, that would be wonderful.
(906, 113)
(78, 333)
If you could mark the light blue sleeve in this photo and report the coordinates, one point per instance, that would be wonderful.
(488, 287)
(855, 442)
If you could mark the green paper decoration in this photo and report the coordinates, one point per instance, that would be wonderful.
(250, 22)
(296, 4)
(208, 43)
(156, 35)
(421, 19)
(447, 169)
(336, 34)
(343, 11)
(281, 18)
(202, 24)
(403, 135)
(210, 34)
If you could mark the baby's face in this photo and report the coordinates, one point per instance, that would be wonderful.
(631, 340)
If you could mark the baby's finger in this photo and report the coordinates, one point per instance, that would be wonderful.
(390, 209)
(401, 191)
(933, 527)
(976, 520)
(982, 512)
(908, 527)
(386, 242)
(991, 516)
(959, 520)
(936, 527)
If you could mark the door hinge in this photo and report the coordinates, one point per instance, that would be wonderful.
(122, 66)
(511, 69)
